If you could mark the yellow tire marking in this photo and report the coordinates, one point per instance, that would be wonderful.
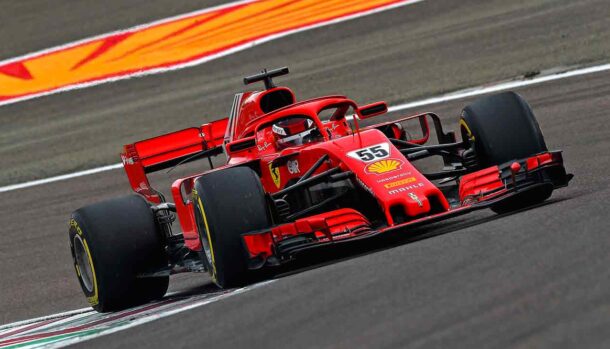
(207, 230)
(93, 300)
(470, 135)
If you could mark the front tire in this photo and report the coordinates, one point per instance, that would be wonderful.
(229, 203)
(503, 128)
(112, 242)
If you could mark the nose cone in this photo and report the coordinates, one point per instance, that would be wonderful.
(402, 192)
(413, 200)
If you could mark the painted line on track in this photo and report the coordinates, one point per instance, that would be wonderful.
(60, 177)
(59, 330)
(470, 92)
(502, 86)
(175, 43)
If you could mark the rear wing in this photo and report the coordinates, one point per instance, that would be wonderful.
(168, 150)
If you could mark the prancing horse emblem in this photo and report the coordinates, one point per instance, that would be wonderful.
(275, 174)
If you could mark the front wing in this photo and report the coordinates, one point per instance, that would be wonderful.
(507, 183)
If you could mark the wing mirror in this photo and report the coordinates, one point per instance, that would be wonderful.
(373, 109)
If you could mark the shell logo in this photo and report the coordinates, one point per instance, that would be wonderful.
(383, 166)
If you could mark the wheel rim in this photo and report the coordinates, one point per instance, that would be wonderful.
(206, 248)
(82, 262)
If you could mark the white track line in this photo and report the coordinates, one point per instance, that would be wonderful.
(481, 90)
(170, 309)
(161, 315)
(471, 92)
(60, 178)
(190, 63)
(14, 325)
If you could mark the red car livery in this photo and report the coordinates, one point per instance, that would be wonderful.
(299, 175)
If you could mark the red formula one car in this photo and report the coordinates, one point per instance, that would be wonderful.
(300, 175)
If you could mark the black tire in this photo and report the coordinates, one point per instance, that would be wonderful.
(504, 129)
(229, 203)
(112, 242)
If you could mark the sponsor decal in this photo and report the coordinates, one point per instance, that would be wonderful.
(293, 166)
(383, 166)
(416, 199)
(262, 147)
(372, 153)
(469, 200)
(391, 178)
(127, 160)
(275, 174)
(400, 182)
(405, 189)
(279, 130)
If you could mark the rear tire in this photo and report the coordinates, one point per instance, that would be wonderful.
(229, 203)
(111, 243)
(504, 128)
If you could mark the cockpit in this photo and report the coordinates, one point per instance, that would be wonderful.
(290, 131)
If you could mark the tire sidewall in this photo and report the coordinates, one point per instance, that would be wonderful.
(503, 128)
(122, 241)
(74, 230)
(239, 190)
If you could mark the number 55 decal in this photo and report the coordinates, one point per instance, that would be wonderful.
(372, 153)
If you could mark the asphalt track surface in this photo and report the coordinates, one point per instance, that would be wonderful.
(400, 55)
(537, 278)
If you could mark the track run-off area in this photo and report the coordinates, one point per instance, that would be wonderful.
(535, 278)
(174, 43)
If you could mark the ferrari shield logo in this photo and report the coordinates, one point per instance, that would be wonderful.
(275, 174)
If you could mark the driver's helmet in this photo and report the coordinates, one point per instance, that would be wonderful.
(294, 131)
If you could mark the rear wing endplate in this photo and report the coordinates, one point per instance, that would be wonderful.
(168, 150)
